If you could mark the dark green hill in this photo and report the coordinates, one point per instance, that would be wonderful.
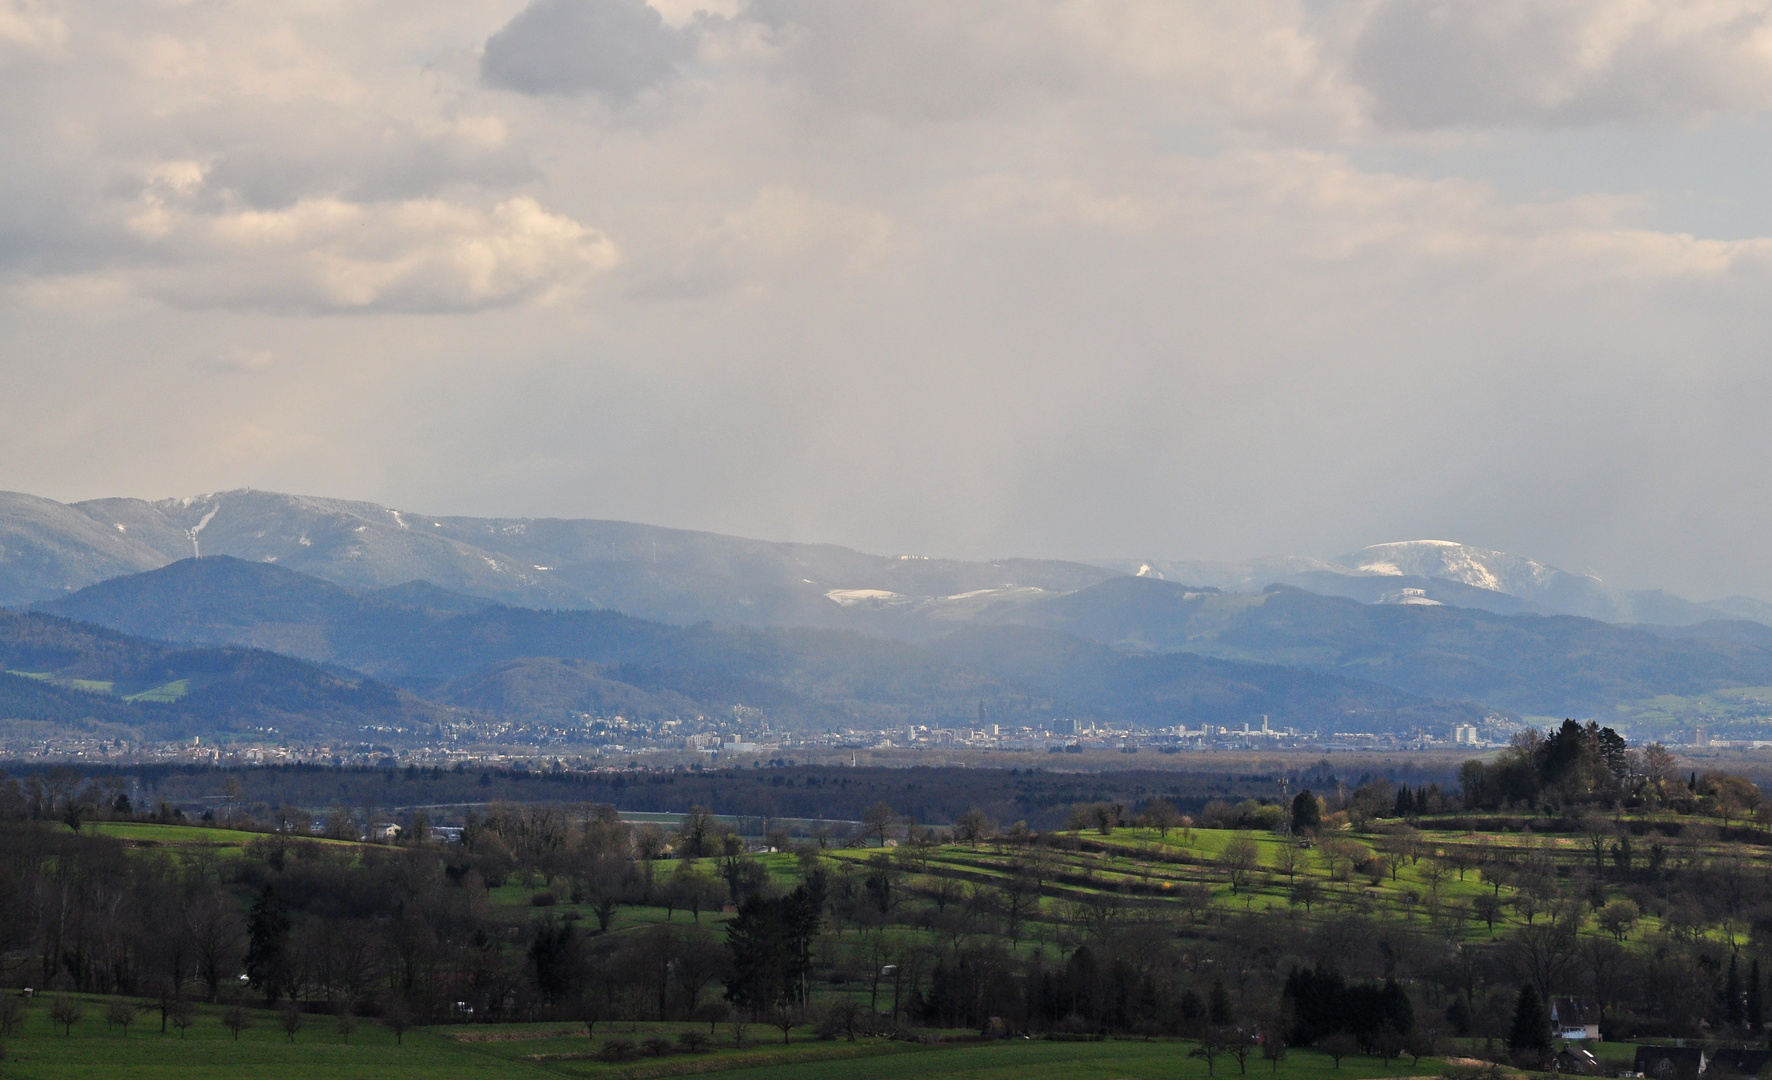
(226, 601)
(552, 689)
(1534, 664)
(58, 670)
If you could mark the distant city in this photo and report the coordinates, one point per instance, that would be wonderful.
(605, 742)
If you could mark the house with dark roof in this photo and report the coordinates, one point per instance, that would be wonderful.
(1739, 1062)
(1574, 1059)
(1670, 1062)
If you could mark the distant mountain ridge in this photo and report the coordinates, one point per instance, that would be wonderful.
(1424, 572)
(1539, 665)
(48, 549)
(1124, 636)
(681, 577)
(530, 663)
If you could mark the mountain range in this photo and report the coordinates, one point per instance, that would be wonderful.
(1128, 632)
(553, 667)
(1426, 572)
(50, 549)
(545, 620)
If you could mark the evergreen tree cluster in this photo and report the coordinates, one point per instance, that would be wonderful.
(1531, 1030)
(771, 944)
(1322, 1003)
(1426, 799)
(1574, 765)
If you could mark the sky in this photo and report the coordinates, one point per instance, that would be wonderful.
(1171, 279)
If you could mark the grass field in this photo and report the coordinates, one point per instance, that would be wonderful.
(164, 693)
(180, 838)
(149, 834)
(97, 1052)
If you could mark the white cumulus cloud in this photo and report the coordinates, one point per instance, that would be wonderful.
(327, 254)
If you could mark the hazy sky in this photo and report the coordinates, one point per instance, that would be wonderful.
(1185, 280)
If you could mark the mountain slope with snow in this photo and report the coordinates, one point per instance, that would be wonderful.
(50, 549)
(1492, 571)
(1457, 575)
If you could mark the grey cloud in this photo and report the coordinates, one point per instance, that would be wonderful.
(1446, 63)
(386, 161)
(613, 48)
(919, 60)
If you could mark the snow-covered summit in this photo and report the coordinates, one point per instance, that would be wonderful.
(1448, 560)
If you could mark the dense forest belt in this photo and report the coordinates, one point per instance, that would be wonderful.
(932, 795)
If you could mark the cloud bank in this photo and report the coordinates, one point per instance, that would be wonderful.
(1072, 278)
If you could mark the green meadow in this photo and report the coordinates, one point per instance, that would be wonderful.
(209, 1051)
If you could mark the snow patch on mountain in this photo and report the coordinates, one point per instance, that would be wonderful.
(850, 597)
(1448, 560)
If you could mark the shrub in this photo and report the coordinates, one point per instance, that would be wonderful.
(657, 1046)
(617, 1050)
(693, 1042)
(840, 1018)
(544, 899)
(1248, 814)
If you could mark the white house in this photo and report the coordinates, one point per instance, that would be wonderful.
(1575, 1018)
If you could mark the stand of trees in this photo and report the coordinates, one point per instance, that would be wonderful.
(1323, 1003)
(1575, 765)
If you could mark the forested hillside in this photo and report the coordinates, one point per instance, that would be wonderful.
(61, 672)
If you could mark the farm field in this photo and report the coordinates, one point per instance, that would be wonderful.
(149, 834)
